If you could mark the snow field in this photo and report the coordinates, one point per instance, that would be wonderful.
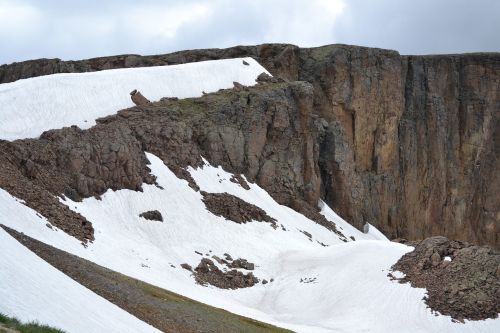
(32, 106)
(33, 290)
(343, 287)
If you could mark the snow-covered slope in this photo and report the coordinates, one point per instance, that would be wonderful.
(342, 287)
(33, 290)
(32, 106)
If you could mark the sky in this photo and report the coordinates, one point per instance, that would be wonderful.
(72, 30)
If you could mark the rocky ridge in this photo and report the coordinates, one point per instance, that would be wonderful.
(262, 131)
(407, 143)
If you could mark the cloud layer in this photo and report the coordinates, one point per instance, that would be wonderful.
(82, 29)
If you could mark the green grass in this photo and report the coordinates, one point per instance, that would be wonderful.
(33, 327)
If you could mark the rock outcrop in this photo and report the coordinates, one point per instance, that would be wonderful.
(208, 273)
(235, 209)
(138, 98)
(462, 281)
(410, 144)
(152, 215)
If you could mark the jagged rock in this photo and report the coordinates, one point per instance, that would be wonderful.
(242, 263)
(219, 260)
(465, 287)
(187, 267)
(264, 77)
(138, 98)
(238, 179)
(152, 215)
(207, 273)
(234, 208)
(238, 86)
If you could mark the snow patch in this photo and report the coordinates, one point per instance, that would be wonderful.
(32, 106)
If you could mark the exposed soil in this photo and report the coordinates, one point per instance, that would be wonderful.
(235, 209)
(462, 281)
(152, 215)
(167, 311)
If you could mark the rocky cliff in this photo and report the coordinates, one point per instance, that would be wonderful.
(410, 144)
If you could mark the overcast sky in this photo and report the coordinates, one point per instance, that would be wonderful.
(81, 29)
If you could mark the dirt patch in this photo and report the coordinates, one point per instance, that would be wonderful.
(462, 281)
(235, 209)
(152, 215)
(208, 273)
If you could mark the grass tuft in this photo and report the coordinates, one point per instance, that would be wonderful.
(32, 327)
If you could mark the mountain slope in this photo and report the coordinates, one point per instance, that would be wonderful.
(337, 285)
(167, 311)
(33, 290)
(140, 194)
(412, 141)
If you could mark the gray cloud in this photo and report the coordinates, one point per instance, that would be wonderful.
(422, 27)
(81, 29)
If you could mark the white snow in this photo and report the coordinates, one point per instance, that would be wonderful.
(398, 274)
(33, 290)
(347, 229)
(447, 258)
(32, 106)
(344, 286)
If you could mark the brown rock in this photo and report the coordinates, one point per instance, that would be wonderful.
(207, 273)
(235, 209)
(187, 267)
(138, 99)
(152, 215)
(389, 136)
(464, 288)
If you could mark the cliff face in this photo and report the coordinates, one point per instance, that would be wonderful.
(412, 141)
(410, 144)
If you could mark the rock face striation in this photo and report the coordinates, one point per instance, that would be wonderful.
(410, 144)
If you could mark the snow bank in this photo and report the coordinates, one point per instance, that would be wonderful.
(342, 287)
(32, 106)
(33, 290)
(347, 229)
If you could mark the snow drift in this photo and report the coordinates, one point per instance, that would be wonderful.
(32, 106)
